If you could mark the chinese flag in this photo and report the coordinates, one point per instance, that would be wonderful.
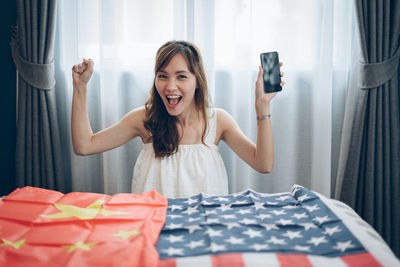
(40, 227)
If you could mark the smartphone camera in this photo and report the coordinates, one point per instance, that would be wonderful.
(272, 72)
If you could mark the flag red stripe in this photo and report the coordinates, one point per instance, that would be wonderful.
(167, 263)
(361, 259)
(231, 260)
(299, 260)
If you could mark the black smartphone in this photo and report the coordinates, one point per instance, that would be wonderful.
(272, 72)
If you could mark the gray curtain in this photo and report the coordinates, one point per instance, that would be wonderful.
(369, 178)
(38, 154)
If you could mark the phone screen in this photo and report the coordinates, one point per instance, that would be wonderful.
(272, 72)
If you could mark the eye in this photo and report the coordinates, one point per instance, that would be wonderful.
(182, 76)
(161, 76)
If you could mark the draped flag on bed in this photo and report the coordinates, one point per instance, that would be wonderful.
(253, 229)
(41, 227)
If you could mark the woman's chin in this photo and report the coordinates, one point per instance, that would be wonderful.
(172, 111)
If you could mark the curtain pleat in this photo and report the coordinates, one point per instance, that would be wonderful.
(370, 182)
(38, 147)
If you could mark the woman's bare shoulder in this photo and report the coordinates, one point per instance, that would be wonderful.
(139, 111)
(224, 123)
(136, 118)
(223, 117)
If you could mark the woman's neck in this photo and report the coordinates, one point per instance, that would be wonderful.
(189, 117)
(190, 127)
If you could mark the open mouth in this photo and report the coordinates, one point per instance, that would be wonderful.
(173, 99)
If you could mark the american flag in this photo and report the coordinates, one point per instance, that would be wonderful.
(250, 228)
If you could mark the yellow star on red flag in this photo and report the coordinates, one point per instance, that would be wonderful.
(127, 234)
(87, 213)
(79, 245)
(15, 245)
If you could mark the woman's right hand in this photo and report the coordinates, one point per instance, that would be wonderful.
(82, 72)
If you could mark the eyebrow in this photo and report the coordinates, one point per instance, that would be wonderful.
(177, 72)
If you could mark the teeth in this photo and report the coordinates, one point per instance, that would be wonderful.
(173, 96)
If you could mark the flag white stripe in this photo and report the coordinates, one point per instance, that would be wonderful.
(326, 261)
(196, 261)
(259, 260)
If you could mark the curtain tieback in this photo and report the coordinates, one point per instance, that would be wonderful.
(376, 74)
(40, 76)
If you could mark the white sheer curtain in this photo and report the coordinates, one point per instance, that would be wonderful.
(313, 38)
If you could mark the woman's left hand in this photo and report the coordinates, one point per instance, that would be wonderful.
(262, 98)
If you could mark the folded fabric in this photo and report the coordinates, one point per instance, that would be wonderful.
(41, 227)
(254, 229)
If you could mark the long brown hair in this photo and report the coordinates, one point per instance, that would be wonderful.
(161, 125)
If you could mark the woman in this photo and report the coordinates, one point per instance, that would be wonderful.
(179, 129)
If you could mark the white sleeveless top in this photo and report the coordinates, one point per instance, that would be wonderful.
(193, 169)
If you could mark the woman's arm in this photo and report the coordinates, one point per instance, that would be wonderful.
(259, 156)
(83, 139)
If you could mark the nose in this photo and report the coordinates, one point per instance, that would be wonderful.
(171, 84)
